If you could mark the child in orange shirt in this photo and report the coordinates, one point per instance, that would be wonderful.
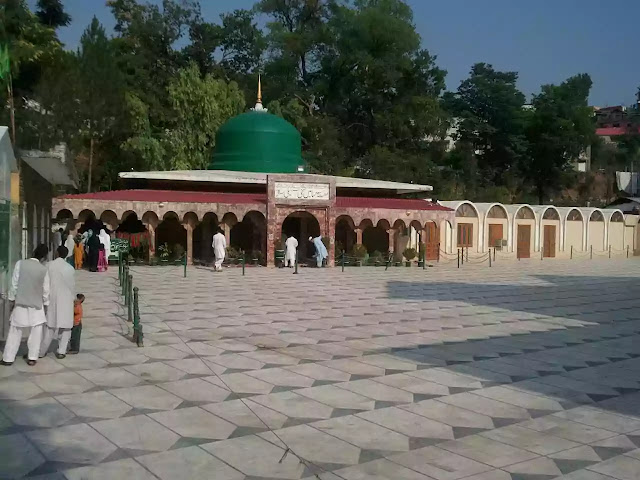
(76, 331)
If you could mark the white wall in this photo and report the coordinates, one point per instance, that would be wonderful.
(574, 233)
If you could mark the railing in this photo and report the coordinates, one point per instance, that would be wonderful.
(131, 299)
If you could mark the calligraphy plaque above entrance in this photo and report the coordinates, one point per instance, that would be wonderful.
(302, 191)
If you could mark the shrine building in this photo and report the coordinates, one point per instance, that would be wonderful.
(257, 190)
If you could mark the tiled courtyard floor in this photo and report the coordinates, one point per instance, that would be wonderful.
(526, 371)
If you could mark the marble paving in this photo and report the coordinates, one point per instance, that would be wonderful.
(524, 371)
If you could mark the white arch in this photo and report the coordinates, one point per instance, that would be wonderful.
(483, 208)
(512, 211)
(564, 215)
(586, 216)
(454, 205)
(541, 210)
(608, 214)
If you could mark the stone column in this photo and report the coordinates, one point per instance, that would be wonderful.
(189, 228)
(151, 228)
(358, 236)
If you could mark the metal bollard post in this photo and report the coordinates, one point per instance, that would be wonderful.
(130, 304)
(494, 254)
(541, 253)
(243, 261)
(461, 256)
(424, 260)
(119, 268)
(125, 277)
(388, 261)
(458, 258)
(571, 254)
(137, 327)
(342, 260)
(609, 251)
(490, 258)
(627, 251)
(184, 261)
(591, 254)
(438, 260)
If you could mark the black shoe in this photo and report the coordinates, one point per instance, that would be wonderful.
(31, 363)
(6, 364)
(60, 356)
(72, 352)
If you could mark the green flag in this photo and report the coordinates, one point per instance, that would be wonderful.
(5, 67)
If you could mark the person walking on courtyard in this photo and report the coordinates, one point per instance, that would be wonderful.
(321, 250)
(71, 245)
(105, 240)
(29, 296)
(219, 249)
(93, 244)
(292, 248)
(102, 259)
(62, 292)
(78, 253)
(76, 331)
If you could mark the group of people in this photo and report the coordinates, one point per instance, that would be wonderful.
(44, 304)
(291, 250)
(88, 246)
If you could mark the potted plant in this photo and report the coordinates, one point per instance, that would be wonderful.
(360, 252)
(165, 253)
(409, 254)
(178, 253)
(377, 257)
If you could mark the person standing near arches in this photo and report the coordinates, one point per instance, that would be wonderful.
(321, 250)
(219, 249)
(291, 246)
(29, 297)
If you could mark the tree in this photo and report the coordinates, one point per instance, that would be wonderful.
(489, 109)
(52, 14)
(559, 130)
(100, 92)
(199, 106)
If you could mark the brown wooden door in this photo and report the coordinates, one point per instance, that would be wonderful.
(549, 241)
(431, 242)
(495, 235)
(524, 241)
(465, 235)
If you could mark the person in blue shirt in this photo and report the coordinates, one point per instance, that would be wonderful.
(321, 250)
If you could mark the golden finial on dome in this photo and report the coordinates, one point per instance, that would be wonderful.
(259, 107)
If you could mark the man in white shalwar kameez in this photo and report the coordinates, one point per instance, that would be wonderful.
(29, 296)
(70, 244)
(291, 246)
(62, 293)
(219, 249)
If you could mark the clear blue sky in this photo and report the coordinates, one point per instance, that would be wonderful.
(545, 41)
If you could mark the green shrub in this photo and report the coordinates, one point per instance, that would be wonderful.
(409, 253)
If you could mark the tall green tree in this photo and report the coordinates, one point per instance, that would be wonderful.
(561, 127)
(99, 93)
(52, 13)
(199, 106)
(488, 108)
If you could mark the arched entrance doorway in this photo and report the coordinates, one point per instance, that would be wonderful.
(172, 235)
(376, 239)
(301, 225)
(249, 235)
(345, 234)
(203, 238)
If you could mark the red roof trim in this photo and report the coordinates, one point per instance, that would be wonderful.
(614, 131)
(246, 198)
(170, 196)
(389, 203)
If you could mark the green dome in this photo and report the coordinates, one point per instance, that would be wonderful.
(257, 141)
